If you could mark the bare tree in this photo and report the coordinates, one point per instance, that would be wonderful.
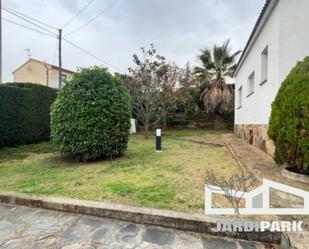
(234, 187)
(151, 84)
(168, 97)
(144, 87)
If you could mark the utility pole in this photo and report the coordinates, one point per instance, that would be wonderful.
(60, 59)
(0, 42)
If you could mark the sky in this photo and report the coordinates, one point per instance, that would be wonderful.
(178, 28)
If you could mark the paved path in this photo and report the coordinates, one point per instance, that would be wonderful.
(262, 166)
(23, 228)
(255, 160)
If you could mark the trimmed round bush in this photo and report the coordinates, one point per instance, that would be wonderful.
(289, 121)
(90, 118)
(25, 113)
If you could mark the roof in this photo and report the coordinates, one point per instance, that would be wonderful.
(45, 63)
(266, 11)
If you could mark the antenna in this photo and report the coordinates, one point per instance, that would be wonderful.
(28, 50)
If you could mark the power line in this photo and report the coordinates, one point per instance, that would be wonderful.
(29, 21)
(92, 19)
(53, 35)
(31, 18)
(92, 55)
(77, 14)
(29, 28)
(71, 43)
(35, 24)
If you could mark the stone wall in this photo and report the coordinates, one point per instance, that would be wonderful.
(256, 135)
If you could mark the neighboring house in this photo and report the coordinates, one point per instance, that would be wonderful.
(279, 39)
(40, 72)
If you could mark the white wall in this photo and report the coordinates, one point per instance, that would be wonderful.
(286, 33)
(256, 107)
(293, 34)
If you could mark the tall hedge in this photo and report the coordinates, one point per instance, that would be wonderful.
(91, 116)
(289, 121)
(24, 113)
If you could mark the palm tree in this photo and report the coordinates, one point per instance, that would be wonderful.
(217, 64)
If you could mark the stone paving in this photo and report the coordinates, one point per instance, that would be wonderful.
(258, 162)
(262, 165)
(23, 228)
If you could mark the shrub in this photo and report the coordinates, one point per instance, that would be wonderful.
(91, 116)
(289, 121)
(24, 113)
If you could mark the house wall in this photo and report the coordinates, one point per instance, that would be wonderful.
(32, 71)
(293, 34)
(36, 72)
(255, 108)
(54, 77)
(251, 118)
(285, 35)
(255, 134)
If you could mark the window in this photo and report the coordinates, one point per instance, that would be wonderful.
(251, 84)
(239, 97)
(264, 66)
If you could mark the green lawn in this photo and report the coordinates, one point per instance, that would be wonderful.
(173, 179)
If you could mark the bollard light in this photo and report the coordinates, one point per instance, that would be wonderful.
(158, 140)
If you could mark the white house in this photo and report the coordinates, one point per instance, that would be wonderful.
(279, 39)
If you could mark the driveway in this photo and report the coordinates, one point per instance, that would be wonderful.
(23, 228)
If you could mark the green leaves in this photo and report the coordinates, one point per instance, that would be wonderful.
(24, 113)
(91, 116)
(217, 62)
(289, 121)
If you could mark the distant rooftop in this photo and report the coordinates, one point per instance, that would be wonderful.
(43, 62)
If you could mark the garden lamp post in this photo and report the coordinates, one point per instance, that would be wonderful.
(158, 140)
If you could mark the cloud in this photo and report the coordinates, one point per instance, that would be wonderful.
(179, 28)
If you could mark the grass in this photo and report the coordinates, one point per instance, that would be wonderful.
(173, 179)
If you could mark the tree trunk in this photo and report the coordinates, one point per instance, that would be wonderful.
(146, 130)
(219, 123)
(164, 123)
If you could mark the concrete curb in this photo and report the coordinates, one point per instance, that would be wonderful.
(233, 153)
(294, 176)
(164, 218)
